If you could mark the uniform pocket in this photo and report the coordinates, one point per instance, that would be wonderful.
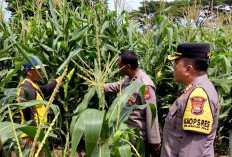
(170, 120)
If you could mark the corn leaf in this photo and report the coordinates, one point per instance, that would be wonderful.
(84, 104)
(126, 111)
(126, 94)
(104, 151)
(69, 76)
(28, 104)
(78, 131)
(153, 113)
(51, 7)
(31, 131)
(41, 66)
(125, 150)
(170, 37)
(66, 62)
(6, 130)
(93, 125)
(9, 76)
(6, 50)
(80, 32)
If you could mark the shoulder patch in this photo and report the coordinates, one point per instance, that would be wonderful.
(197, 105)
(188, 88)
(147, 94)
(134, 78)
(186, 91)
(197, 115)
(131, 101)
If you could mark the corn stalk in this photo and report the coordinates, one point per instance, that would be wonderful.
(15, 134)
(46, 112)
(46, 135)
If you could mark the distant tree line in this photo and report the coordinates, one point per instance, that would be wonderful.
(29, 7)
(175, 7)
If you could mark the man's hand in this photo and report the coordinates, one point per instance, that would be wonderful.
(91, 85)
(156, 147)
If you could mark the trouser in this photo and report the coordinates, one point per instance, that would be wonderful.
(230, 141)
(26, 142)
(1, 153)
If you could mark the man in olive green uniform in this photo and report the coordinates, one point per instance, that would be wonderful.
(141, 119)
(192, 121)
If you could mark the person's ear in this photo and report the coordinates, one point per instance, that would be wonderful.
(128, 66)
(28, 72)
(189, 69)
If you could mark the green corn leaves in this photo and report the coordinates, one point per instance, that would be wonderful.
(93, 125)
(66, 62)
(112, 112)
(125, 150)
(63, 37)
(6, 132)
(90, 124)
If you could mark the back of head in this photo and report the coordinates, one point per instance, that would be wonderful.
(199, 65)
(129, 57)
(196, 54)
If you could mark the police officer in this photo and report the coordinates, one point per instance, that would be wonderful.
(191, 124)
(128, 64)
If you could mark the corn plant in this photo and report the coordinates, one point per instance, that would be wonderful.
(90, 38)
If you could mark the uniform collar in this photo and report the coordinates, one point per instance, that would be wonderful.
(33, 84)
(136, 76)
(198, 80)
(138, 73)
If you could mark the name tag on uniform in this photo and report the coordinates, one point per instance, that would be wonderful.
(172, 110)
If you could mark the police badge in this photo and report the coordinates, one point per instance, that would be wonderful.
(197, 105)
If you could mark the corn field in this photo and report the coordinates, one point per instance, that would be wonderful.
(82, 45)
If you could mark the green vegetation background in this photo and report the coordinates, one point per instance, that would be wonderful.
(86, 34)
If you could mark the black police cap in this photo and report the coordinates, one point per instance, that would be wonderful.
(192, 50)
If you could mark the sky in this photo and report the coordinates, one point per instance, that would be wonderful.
(130, 4)
(7, 13)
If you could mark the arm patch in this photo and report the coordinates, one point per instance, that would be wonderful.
(198, 115)
(147, 94)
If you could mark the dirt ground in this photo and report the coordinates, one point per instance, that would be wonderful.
(58, 153)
